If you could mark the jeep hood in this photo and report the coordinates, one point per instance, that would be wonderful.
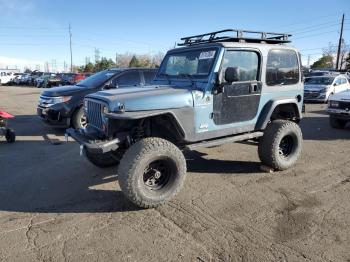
(341, 96)
(145, 98)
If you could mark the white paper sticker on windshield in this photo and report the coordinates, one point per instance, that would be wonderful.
(207, 55)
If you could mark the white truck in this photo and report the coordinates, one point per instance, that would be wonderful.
(6, 77)
(339, 109)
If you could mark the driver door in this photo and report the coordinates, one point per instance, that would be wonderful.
(238, 101)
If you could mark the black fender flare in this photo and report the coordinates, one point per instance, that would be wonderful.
(182, 116)
(266, 112)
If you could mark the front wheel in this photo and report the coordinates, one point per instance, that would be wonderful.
(337, 123)
(79, 120)
(152, 172)
(281, 144)
(10, 136)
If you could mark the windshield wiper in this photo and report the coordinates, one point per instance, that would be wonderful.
(189, 77)
(166, 76)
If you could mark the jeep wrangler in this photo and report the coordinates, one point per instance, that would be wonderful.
(215, 88)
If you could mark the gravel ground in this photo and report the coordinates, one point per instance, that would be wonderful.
(56, 206)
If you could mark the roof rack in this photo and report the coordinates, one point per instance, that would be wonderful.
(237, 36)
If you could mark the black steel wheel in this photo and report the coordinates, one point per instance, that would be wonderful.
(152, 172)
(281, 145)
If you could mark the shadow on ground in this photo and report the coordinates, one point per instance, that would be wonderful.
(318, 128)
(198, 164)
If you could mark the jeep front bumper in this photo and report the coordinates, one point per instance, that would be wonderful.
(339, 113)
(86, 141)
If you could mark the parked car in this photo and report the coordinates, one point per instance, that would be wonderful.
(34, 76)
(46, 80)
(6, 78)
(17, 78)
(73, 78)
(62, 106)
(25, 79)
(320, 88)
(66, 79)
(339, 109)
(218, 88)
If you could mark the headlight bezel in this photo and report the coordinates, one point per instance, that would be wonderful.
(59, 99)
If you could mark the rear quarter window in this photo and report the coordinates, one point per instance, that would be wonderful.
(282, 67)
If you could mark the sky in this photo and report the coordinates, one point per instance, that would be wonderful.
(33, 32)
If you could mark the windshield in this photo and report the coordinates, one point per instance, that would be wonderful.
(319, 80)
(193, 63)
(97, 79)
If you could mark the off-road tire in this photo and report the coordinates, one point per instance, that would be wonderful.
(77, 118)
(10, 136)
(337, 123)
(103, 160)
(138, 158)
(271, 149)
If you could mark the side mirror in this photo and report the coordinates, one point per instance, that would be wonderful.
(231, 74)
(335, 84)
(110, 85)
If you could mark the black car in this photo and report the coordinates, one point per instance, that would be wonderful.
(63, 106)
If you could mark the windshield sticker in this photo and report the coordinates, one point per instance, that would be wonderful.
(207, 55)
(109, 74)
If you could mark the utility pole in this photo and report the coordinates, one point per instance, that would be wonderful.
(116, 59)
(308, 60)
(340, 42)
(97, 55)
(70, 47)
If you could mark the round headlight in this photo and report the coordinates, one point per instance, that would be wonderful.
(105, 110)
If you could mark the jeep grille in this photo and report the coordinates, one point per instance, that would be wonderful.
(94, 114)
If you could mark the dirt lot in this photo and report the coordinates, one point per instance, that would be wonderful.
(56, 206)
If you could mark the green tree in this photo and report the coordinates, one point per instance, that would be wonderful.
(347, 60)
(323, 62)
(134, 62)
(89, 67)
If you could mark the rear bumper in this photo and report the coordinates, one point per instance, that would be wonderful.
(86, 140)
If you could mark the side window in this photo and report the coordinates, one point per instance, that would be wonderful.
(247, 63)
(338, 81)
(127, 79)
(343, 80)
(149, 76)
(282, 68)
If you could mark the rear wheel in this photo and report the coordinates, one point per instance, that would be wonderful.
(336, 122)
(103, 160)
(152, 172)
(281, 145)
(10, 136)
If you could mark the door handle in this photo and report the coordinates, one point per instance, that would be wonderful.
(253, 88)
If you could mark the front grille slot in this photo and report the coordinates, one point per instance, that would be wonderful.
(311, 94)
(94, 114)
(344, 105)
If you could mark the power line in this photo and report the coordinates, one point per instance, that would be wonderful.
(312, 26)
(322, 33)
(315, 29)
(312, 19)
(70, 48)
